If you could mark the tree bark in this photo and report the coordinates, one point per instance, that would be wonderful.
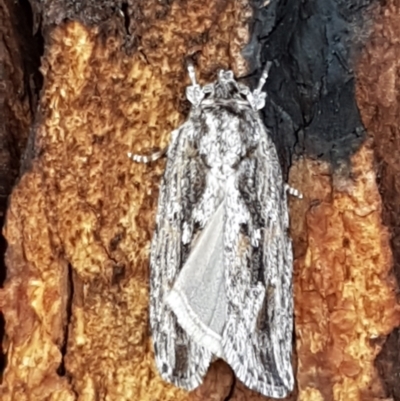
(19, 84)
(80, 219)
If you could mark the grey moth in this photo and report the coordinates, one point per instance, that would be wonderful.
(221, 258)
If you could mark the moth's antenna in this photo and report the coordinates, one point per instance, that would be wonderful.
(194, 93)
(264, 76)
(191, 72)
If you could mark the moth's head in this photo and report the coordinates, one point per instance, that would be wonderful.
(224, 90)
(225, 87)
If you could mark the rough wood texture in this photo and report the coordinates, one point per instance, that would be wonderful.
(80, 220)
(343, 293)
(17, 97)
(378, 98)
(19, 82)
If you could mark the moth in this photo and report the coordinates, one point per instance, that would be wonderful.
(221, 257)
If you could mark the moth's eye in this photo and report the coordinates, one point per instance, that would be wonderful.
(244, 91)
(208, 90)
(221, 75)
(229, 75)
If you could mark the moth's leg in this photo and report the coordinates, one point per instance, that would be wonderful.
(293, 191)
(148, 158)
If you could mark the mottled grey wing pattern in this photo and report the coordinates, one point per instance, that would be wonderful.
(257, 339)
(179, 359)
(221, 256)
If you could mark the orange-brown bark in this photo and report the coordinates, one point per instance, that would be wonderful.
(378, 89)
(344, 294)
(16, 104)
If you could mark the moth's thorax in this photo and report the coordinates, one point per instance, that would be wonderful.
(227, 127)
(225, 140)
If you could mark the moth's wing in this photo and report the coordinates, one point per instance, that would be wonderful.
(276, 321)
(258, 336)
(178, 359)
